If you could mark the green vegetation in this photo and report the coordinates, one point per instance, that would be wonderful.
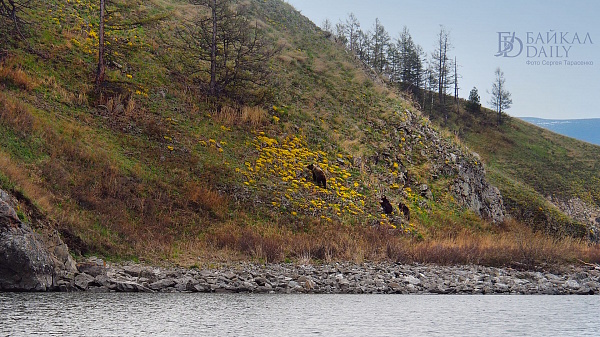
(534, 168)
(152, 169)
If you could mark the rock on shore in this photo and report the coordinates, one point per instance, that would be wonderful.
(33, 262)
(29, 261)
(336, 278)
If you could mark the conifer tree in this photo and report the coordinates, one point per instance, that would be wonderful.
(410, 59)
(381, 40)
(474, 103)
(500, 100)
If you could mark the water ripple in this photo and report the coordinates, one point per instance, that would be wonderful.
(120, 314)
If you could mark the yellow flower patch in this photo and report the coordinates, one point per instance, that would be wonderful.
(281, 168)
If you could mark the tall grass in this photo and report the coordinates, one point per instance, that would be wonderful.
(253, 116)
(514, 246)
(14, 75)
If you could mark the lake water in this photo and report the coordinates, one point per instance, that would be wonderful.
(127, 314)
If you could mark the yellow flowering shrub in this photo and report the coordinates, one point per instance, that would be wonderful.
(281, 167)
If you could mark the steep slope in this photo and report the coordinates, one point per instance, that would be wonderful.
(153, 171)
(548, 181)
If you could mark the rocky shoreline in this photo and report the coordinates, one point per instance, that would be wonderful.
(333, 278)
(32, 261)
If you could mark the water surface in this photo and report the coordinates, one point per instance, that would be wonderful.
(127, 314)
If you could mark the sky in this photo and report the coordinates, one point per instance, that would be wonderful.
(550, 72)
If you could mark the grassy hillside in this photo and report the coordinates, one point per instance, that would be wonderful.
(539, 172)
(150, 170)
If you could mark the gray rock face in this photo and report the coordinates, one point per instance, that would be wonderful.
(472, 190)
(82, 281)
(8, 215)
(25, 264)
(584, 212)
(29, 261)
(420, 142)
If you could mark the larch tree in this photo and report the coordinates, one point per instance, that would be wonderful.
(411, 69)
(352, 29)
(381, 40)
(224, 51)
(363, 50)
(500, 100)
(442, 67)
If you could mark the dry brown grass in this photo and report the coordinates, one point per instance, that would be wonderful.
(320, 66)
(252, 116)
(16, 115)
(519, 247)
(293, 57)
(14, 75)
(25, 182)
(78, 98)
(201, 198)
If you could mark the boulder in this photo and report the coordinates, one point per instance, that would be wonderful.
(162, 284)
(25, 264)
(30, 261)
(91, 268)
(83, 280)
(8, 215)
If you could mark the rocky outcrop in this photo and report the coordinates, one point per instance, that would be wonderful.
(579, 210)
(30, 261)
(335, 278)
(419, 143)
(472, 190)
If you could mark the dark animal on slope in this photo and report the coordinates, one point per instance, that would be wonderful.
(385, 204)
(318, 175)
(404, 209)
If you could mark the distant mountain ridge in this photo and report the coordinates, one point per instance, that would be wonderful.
(582, 129)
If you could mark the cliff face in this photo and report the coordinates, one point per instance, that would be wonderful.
(472, 190)
(581, 211)
(421, 143)
(30, 261)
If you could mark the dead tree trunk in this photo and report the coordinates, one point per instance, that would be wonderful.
(101, 68)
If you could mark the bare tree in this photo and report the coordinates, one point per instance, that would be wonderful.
(327, 27)
(456, 87)
(500, 100)
(430, 84)
(11, 10)
(101, 68)
(443, 66)
(352, 29)
(340, 33)
(224, 51)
